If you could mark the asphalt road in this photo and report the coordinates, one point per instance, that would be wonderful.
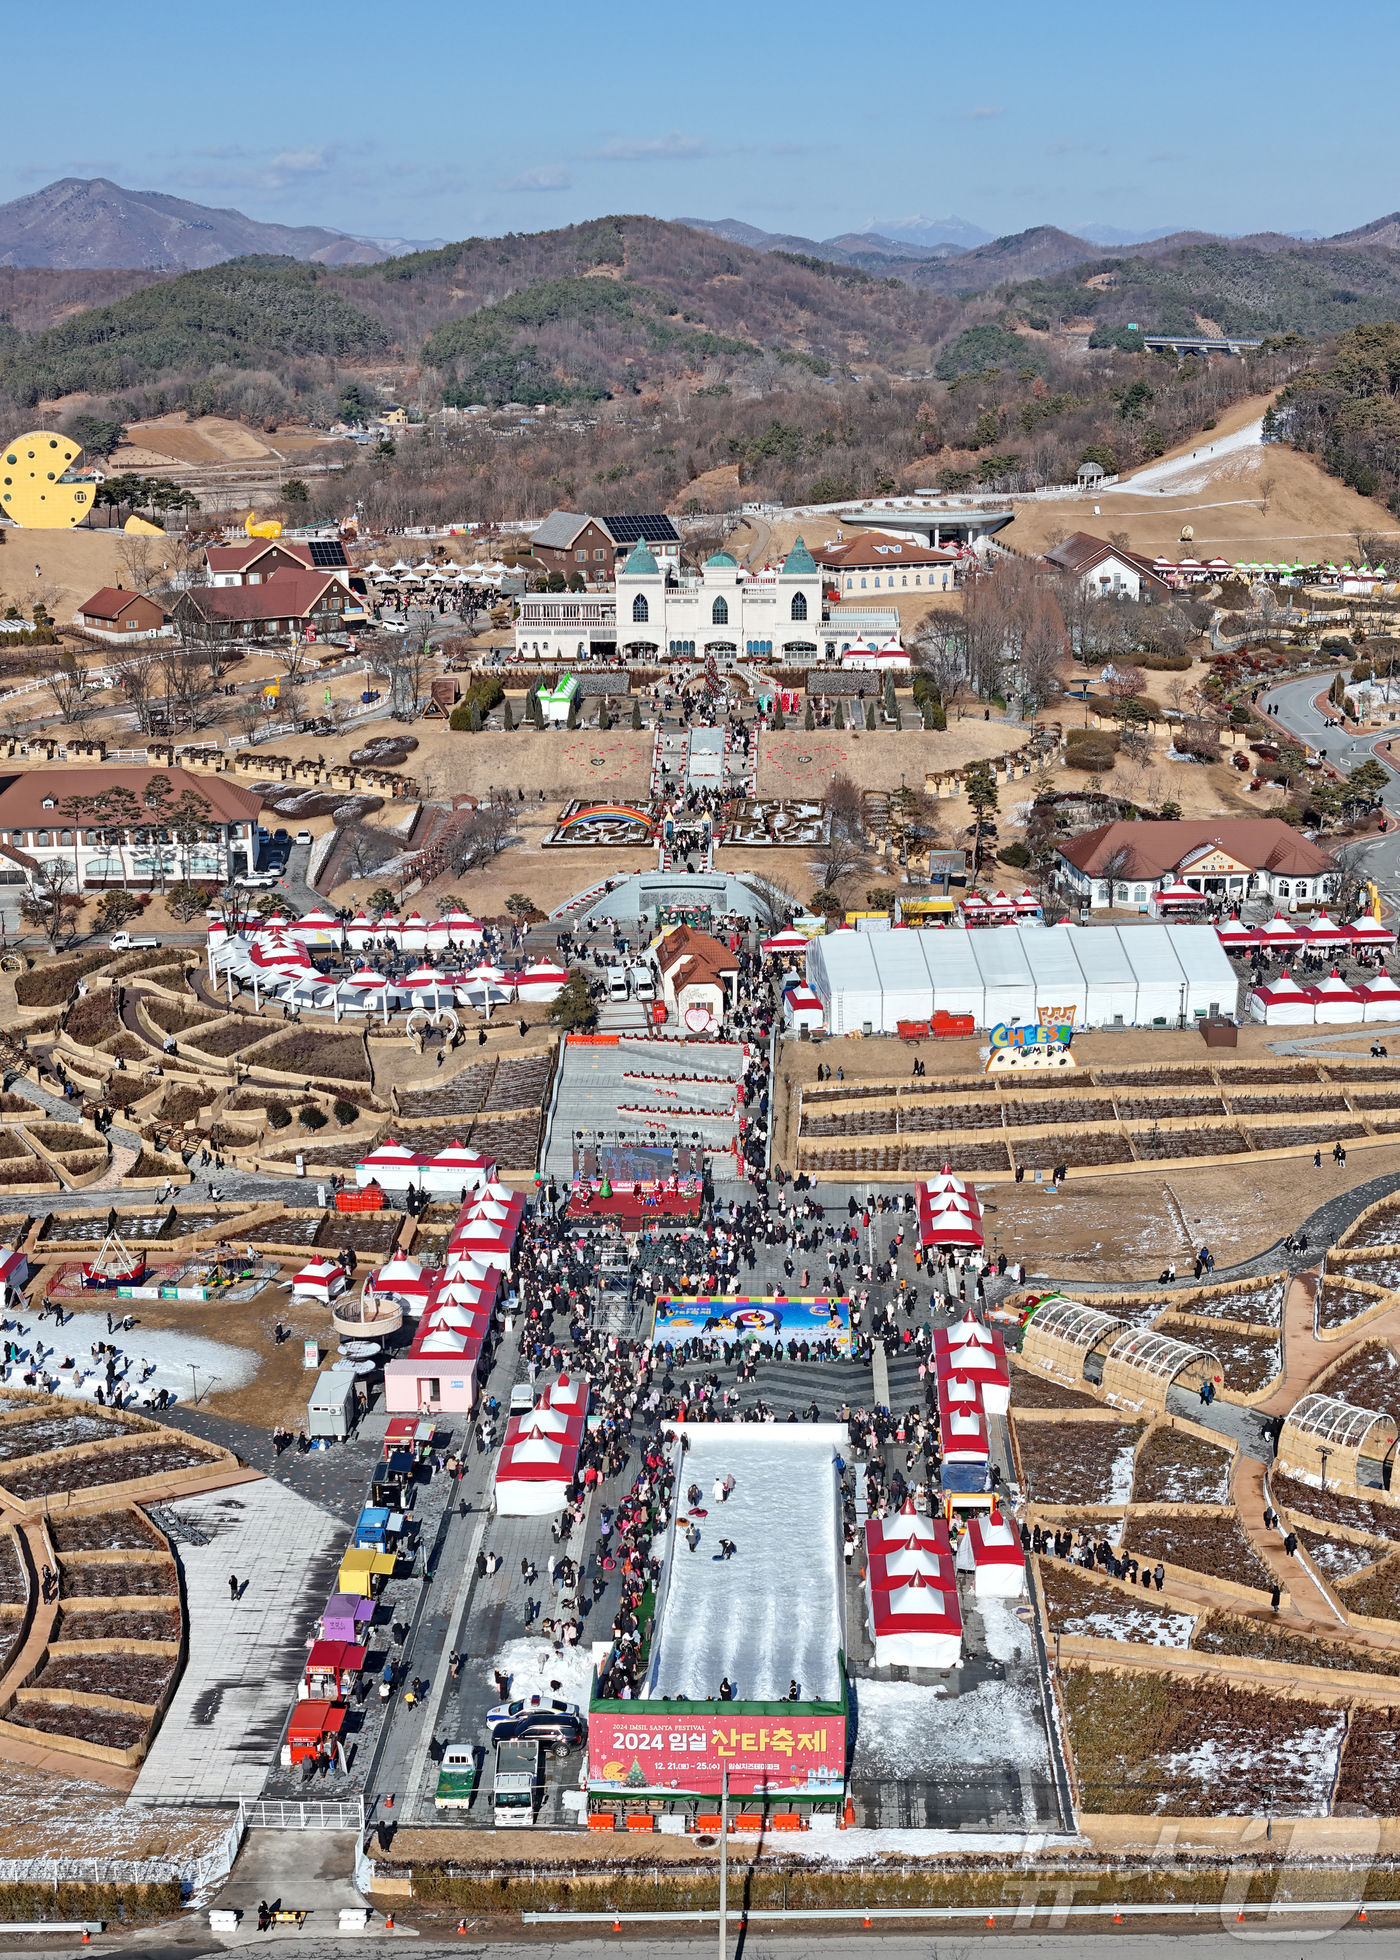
(1293, 706)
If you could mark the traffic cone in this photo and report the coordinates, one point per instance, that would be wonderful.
(1118, 1919)
(389, 1801)
(866, 1920)
(389, 1922)
(990, 1920)
(87, 1936)
(1238, 1917)
(461, 1925)
(617, 1924)
(1362, 1914)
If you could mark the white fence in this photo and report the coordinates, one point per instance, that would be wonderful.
(276, 1814)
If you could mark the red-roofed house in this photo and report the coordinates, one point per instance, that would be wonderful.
(290, 602)
(875, 563)
(1226, 857)
(698, 974)
(122, 617)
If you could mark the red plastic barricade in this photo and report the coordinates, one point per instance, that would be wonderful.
(372, 1200)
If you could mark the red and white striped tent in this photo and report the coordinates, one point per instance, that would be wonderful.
(916, 1621)
(321, 1280)
(986, 1366)
(1334, 1000)
(1282, 1003)
(1380, 999)
(998, 1563)
(541, 982)
(949, 1213)
(1278, 932)
(1234, 936)
(1322, 931)
(1368, 931)
(964, 1434)
(1177, 897)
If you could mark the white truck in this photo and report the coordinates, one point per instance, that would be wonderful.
(517, 1773)
(123, 942)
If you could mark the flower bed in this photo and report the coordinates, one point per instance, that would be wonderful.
(1252, 1072)
(373, 1233)
(922, 1161)
(1369, 1778)
(110, 1467)
(1339, 1304)
(153, 1163)
(1065, 1110)
(105, 1531)
(1261, 1303)
(92, 1018)
(126, 1677)
(107, 1579)
(1337, 1558)
(1377, 1269)
(1367, 1376)
(1075, 1605)
(1076, 1152)
(1150, 1745)
(1236, 1633)
(1175, 1467)
(1210, 1542)
(59, 1431)
(463, 1095)
(12, 1148)
(283, 1230)
(59, 1137)
(177, 1016)
(335, 1156)
(1380, 1520)
(1153, 1078)
(183, 1101)
(14, 1580)
(1162, 1108)
(1292, 1136)
(1376, 1593)
(513, 1144)
(1151, 1145)
(972, 1114)
(311, 1052)
(1030, 1391)
(1249, 1361)
(1078, 1462)
(232, 1037)
(50, 983)
(111, 1623)
(110, 1727)
(1251, 1105)
(1380, 1228)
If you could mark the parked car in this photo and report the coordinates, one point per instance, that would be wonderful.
(123, 942)
(560, 1724)
(257, 881)
(303, 837)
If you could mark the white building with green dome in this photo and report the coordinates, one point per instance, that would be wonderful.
(655, 614)
(726, 613)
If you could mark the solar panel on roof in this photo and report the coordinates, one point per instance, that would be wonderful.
(655, 529)
(327, 553)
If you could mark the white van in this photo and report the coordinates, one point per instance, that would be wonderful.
(643, 983)
(617, 983)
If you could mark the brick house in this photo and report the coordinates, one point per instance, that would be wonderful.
(122, 617)
(572, 542)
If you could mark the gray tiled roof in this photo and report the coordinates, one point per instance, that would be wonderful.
(560, 528)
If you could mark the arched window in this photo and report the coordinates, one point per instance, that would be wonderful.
(640, 613)
(719, 615)
(799, 605)
(65, 837)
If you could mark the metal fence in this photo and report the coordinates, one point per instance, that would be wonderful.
(272, 1814)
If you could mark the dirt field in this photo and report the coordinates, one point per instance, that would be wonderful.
(1309, 514)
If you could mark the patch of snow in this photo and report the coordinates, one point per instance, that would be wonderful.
(1339, 1558)
(848, 1847)
(168, 1352)
(905, 1730)
(1009, 1638)
(1120, 1487)
(534, 1667)
(773, 1612)
(1305, 1765)
(1143, 1624)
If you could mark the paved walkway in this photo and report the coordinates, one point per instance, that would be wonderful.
(225, 1721)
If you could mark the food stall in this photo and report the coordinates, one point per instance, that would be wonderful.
(364, 1571)
(314, 1731)
(332, 1669)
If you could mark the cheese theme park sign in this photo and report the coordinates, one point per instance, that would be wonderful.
(655, 1747)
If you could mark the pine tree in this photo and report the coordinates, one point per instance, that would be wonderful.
(637, 715)
(507, 718)
(838, 719)
(870, 716)
(809, 720)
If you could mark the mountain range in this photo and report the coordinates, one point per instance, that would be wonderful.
(87, 222)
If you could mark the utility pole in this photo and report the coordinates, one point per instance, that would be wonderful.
(723, 1862)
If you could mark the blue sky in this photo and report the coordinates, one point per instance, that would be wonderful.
(441, 120)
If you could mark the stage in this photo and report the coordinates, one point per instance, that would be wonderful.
(713, 1317)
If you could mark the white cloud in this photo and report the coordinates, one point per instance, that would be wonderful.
(544, 177)
(650, 149)
(985, 113)
(292, 164)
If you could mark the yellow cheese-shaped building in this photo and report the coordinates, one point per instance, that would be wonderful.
(37, 486)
